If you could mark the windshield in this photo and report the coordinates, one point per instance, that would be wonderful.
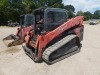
(26, 20)
(55, 19)
(29, 20)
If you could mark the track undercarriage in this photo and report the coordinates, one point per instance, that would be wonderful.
(66, 47)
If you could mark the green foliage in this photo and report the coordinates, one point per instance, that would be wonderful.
(55, 3)
(87, 15)
(13, 10)
(96, 14)
(28, 6)
(80, 13)
(4, 11)
(70, 14)
(70, 8)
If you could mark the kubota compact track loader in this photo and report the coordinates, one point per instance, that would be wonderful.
(56, 37)
(26, 25)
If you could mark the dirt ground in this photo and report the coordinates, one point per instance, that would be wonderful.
(13, 61)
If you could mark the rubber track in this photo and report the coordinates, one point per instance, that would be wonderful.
(56, 46)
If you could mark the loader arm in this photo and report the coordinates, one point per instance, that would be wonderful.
(25, 30)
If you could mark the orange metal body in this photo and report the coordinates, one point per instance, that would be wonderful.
(23, 31)
(43, 40)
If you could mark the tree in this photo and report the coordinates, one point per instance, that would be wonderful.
(55, 3)
(70, 14)
(29, 5)
(80, 13)
(4, 5)
(70, 8)
(96, 14)
(12, 9)
(87, 15)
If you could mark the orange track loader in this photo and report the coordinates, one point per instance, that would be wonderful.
(56, 37)
(26, 25)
